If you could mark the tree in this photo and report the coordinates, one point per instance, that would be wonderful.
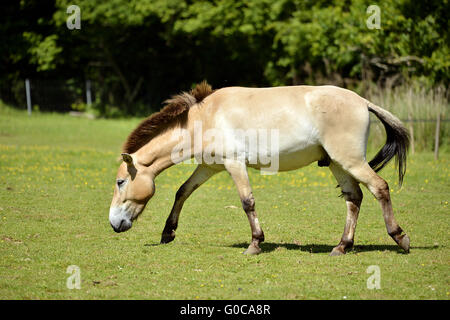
(139, 52)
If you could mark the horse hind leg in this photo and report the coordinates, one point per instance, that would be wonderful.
(353, 197)
(346, 148)
(380, 189)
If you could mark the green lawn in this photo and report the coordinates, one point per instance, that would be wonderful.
(56, 180)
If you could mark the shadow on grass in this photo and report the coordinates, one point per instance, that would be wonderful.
(152, 244)
(324, 248)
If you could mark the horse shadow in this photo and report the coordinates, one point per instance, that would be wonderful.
(267, 247)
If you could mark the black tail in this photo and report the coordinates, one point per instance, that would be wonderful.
(397, 142)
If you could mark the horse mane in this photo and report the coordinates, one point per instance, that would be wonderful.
(174, 112)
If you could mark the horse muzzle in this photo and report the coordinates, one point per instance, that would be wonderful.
(119, 219)
(124, 225)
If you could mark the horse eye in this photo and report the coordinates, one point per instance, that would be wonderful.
(120, 182)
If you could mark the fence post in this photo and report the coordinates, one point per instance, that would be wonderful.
(410, 119)
(411, 133)
(28, 93)
(88, 92)
(436, 136)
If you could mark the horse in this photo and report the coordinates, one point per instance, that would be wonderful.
(324, 124)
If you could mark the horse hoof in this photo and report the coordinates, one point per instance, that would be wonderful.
(404, 243)
(336, 252)
(252, 250)
(166, 238)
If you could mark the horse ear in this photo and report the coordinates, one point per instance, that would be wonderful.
(127, 159)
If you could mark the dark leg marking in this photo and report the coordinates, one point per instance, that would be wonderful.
(324, 162)
(248, 204)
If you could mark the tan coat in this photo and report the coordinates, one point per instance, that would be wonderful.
(272, 129)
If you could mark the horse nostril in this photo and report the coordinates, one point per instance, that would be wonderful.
(118, 228)
(120, 225)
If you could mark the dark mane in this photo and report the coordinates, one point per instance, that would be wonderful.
(174, 111)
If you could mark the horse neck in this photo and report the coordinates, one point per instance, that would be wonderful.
(157, 154)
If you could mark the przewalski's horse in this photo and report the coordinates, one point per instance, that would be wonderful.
(324, 123)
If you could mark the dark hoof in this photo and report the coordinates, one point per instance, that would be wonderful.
(166, 238)
(403, 242)
(252, 250)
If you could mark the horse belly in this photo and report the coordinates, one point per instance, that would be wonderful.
(299, 159)
(294, 149)
(287, 160)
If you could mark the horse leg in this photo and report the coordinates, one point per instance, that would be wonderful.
(346, 146)
(380, 189)
(353, 197)
(198, 177)
(238, 172)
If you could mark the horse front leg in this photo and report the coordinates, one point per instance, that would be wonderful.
(238, 172)
(198, 177)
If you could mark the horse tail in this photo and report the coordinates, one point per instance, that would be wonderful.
(397, 142)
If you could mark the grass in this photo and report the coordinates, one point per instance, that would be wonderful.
(56, 178)
(420, 107)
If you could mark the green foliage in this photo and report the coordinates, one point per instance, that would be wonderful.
(139, 52)
(44, 52)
